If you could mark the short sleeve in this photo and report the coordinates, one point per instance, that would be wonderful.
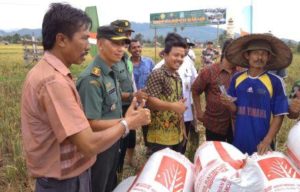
(201, 81)
(64, 111)
(154, 83)
(91, 97)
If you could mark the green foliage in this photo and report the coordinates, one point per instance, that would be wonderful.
(15, 38)
(298, 48)
(161, 39)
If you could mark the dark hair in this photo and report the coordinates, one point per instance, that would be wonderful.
(225, 45)
(209, 43)
(133, 41)
(174, 40)
(62, 18)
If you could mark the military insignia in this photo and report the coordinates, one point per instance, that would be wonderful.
(108, 85)
(94, 82)
(120, 30)
(96, 71)
(113, 107)
(111, 91)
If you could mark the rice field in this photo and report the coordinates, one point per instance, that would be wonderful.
(13, 174)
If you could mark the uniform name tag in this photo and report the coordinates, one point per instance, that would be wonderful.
(111, 91)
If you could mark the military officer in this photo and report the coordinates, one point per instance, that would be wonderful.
(124, 70)
(100, 93)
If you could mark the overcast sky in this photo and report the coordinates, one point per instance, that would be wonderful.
(279, 17)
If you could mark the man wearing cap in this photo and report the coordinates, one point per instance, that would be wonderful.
(124, 72)
(191, 54)
(294, 101)
(261, 102)
(101, 98)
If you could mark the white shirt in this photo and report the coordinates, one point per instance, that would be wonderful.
(188, 74)
(192, 55)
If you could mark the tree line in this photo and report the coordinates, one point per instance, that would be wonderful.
(15, 38)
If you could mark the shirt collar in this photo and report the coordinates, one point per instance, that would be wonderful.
(56, 63)
(101, 64)
(140, 59)
(222, 68)
(169, 72)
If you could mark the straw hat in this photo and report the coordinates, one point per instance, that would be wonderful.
(281, 55)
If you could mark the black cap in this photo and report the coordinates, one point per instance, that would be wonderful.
(112, 33)
(189, 42)
(125, 24)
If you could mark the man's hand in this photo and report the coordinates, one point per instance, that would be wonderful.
(140, 95)
(228, 102)
(263, 147)
(179, 106)
(200, 115)
(137, 116)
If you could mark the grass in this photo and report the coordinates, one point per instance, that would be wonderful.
(13, 173)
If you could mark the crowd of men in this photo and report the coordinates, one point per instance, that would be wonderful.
(76, 135)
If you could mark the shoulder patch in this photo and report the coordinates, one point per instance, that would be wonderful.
(96, 71)
(94, 82)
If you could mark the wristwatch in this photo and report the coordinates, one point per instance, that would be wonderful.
(125, 125)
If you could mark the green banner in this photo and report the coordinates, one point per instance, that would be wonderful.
(188, 18)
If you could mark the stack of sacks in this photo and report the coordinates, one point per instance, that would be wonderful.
(279, 174)
(125, 184)
(165, 171)
(220, 166)
(293, 145)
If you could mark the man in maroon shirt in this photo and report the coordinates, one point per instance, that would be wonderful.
(216, 118)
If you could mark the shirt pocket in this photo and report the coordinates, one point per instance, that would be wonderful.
(122, 74)
(110, 100)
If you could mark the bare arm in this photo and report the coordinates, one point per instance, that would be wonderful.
(100, 125)
(140, 95)
(294, 109)
(156, 104)
(197, 104)
(228, 103)
(91, 143)
(275, 125)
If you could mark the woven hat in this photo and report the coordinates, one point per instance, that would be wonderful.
(281, 55)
